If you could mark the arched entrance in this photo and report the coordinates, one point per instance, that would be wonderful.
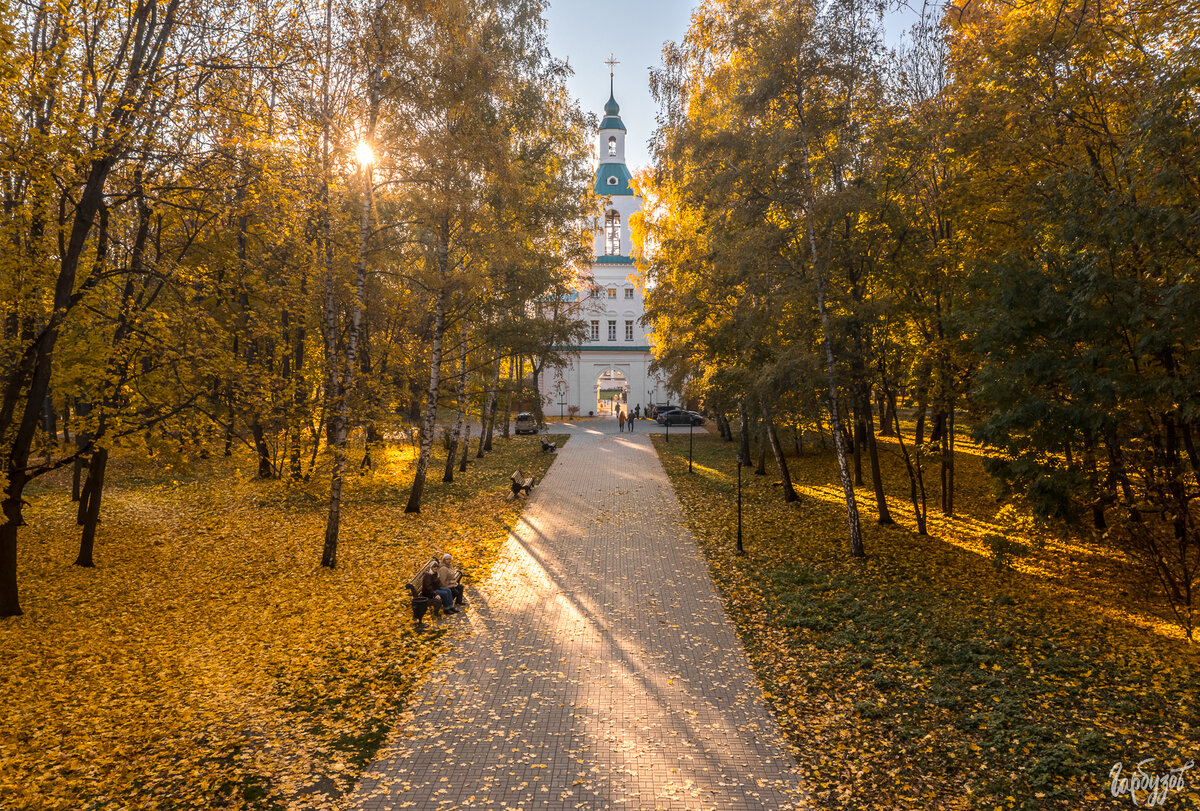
(612, 391)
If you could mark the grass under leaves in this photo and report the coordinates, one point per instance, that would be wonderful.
(208, 661)
(924, 676)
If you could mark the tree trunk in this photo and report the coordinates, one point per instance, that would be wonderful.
(461, 401)
(506, 431)
(491, 406)
(912, 463)
(536, 394)
(922, 395)
(948, 462)
(10, 603)
(852, 522)
(885, 416)
(296, 337)
(789, 492)
(85, 491)
(50, 419)
(761, 470)
(76, 478)
(95, 488)
(435, 379)
(868, 421)
(466, 448)
(1185, 431)
(857, 442)
(1095, 492)
(261, 449)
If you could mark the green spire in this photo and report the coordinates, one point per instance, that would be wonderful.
(612, 108)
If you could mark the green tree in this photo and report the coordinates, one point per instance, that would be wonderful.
(1082, 207)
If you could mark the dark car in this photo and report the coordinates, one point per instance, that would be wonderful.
(526, 424)
(678, 416)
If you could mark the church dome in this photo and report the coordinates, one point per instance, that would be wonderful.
(612, 115)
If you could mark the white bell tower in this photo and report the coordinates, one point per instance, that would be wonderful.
(613, 238)
(611, 369)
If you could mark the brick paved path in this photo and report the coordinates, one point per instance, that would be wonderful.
(595, 669)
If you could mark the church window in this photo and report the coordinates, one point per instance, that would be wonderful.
(595, 330)
(612, 330)
(612, 292)
(628, 292)
(628, 330)
(612, 180)
(612, 233)
(612, 146)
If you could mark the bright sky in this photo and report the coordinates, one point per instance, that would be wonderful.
(585, 32)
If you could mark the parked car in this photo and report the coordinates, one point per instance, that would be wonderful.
(678, 416)
(653, 411)
(526, 424)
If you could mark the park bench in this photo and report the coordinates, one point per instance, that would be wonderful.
(520, 484)
(421, 603)
(549, 447)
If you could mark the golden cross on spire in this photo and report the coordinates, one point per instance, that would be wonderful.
(612, 63)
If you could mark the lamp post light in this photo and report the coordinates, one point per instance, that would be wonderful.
(740, 462)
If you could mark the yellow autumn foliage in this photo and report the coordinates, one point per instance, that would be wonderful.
(209, 661)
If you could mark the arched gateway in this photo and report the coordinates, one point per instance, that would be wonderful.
(607, 301)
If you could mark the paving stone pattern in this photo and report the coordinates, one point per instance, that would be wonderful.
(595, 669)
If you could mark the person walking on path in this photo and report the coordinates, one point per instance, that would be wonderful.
(621, 419)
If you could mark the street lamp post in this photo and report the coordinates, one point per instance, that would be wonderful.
(691, 425)
(667, 424)
(740, 462)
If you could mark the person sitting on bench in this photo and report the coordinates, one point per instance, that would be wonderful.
(448, 579)
(431, 587)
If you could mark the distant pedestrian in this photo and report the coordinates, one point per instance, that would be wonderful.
(621, 419)
(631, 425)
(637, 411)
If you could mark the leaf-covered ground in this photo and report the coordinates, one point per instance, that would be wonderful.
(209, 661)
(923, 677)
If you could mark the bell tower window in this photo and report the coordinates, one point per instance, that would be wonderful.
(612, 233)
(612, 146)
